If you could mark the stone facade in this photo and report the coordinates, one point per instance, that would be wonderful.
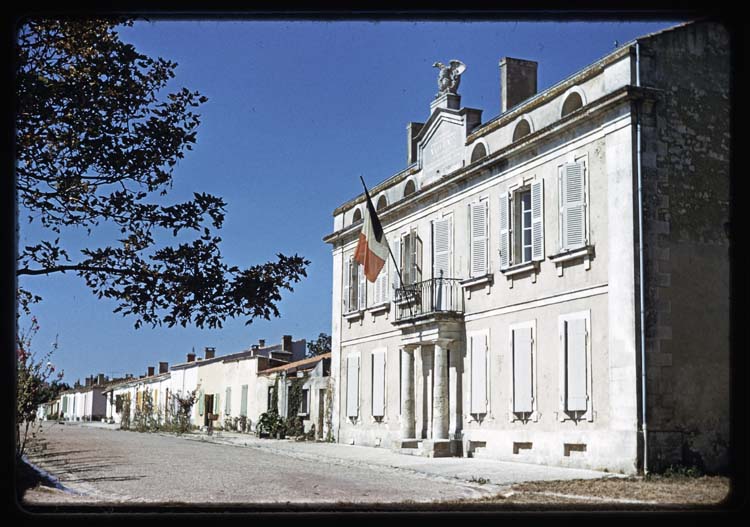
(514, 330)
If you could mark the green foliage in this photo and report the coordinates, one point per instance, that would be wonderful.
(34, 378)
(270, 423)
(329, 411)
(293, 426)
(180, 412)
(319, 346)
(147, 418)
(125, 414)
(295, 395)
(97, 141)
(681, 471)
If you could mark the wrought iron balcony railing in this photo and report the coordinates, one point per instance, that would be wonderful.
(436, 295)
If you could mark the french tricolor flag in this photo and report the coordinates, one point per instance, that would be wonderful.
(372, 247)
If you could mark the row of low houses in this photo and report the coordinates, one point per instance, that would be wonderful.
(231, 390)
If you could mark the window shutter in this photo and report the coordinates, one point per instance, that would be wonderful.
(378, 384)
(478, 238)
(217, 405)
(362, 292)
(441, 248)
(381, 286)
(574, 206)
(200, 403)
(352, 386)
(537, 220)
(575, 362)
(395, 282)
(347, 284)
(504, 230)
(522, 367)
(243, 401)
(479, 374)
(407, 254)
(417, 258)
(228, 402)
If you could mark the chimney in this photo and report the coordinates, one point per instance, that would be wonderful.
(150, 371)
(191, 357)
(77, 384)
(286, 343)
(100, 379)
(209, 352)
(261, 343)
(163, 367)
(412, 130)
(517, 82)
(88, 381)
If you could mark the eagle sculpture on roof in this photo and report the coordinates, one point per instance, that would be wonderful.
(449, 77)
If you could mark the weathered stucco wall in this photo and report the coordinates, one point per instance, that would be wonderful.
(686, 141)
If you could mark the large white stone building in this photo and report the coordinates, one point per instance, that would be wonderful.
(565, 270)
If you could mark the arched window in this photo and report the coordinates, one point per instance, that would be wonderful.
(521, 130)
(357, 216)
(571, 104)
(382, 203)
(479, 152)
(410, 188)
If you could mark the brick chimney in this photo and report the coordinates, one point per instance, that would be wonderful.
(286, 343)
(88, 381)
(412, 130)
(163, 367)
(517, 81)
(191, 357)
(77, 384)
(150, 371)
(261, 343)
(100, 379)
(209, 352)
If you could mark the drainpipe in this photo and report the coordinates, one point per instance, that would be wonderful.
(641, 280)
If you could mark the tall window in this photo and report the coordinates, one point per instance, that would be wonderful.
(411, 258)
(479, 239)
(354, 286)
(522, 225)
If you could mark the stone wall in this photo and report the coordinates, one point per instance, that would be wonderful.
(685, 160)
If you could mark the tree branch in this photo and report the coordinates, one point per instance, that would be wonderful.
(75, 267)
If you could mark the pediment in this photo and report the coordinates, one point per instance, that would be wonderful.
(441, 145)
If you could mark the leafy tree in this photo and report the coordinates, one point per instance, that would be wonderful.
(96, 144)
(34, 375)
(319, 346)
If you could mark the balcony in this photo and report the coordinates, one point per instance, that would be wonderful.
(431, 297)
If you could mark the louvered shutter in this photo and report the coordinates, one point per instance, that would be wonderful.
(478, 238)
(537, 220)
(395, 281)
(243, 401)
(574, 206)
(504, 230)
(217, 404)
(441, 248)
(200, 403)
(407, 255)
(352, 386)
(378, 384)
(575, 363)
(362, 292)
(228, 402)
(347, 284)
(417, 258)
(522, 376)
(381, 286)
(478, 374)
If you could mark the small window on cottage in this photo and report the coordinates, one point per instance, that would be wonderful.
(118, 403)
(357, 216)
(269, 403)
(382, 203)
(304, 402)
(521, 130)
(571, 104)
(409, 188)
(479, 152)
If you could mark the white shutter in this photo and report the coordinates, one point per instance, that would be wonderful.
(479, 374)
(407, 254)
(417, 258)
(395, 281)
(441, 248)
(574, 206)
(478, 238)
(362, 291)
(537, 220)
(347, 284)
(575, 362)
(522, 377)
(352, 386)
(378, 384)
(504, 230)
(228, 401)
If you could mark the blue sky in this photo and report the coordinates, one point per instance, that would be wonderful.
(296, 112)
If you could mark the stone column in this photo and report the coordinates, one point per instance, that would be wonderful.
(440, 407)
(407, 394)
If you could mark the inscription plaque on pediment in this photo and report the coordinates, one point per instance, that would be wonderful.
(443, 150)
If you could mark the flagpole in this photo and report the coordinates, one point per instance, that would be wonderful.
(395, 264)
